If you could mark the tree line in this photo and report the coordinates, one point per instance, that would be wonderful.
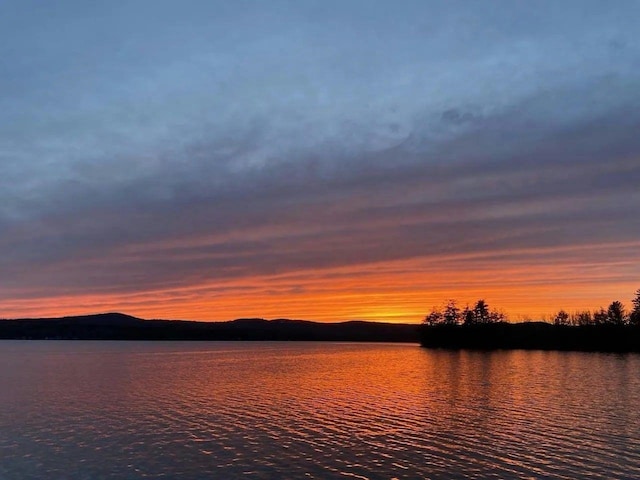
(615, 314)
(451, 314)
(480, 313)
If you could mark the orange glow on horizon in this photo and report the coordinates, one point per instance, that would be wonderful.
(402, 291)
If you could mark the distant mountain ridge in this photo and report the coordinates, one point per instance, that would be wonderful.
(120, 326)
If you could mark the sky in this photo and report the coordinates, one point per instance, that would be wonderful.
(327, 160)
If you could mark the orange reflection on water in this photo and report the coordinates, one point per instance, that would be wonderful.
(315, 410)
(318, 410)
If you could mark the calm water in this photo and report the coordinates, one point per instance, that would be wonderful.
(294, 410)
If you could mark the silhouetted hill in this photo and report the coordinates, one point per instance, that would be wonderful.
(532, 336)
(118, 326)
(105, 319)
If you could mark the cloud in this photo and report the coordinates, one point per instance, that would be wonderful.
(153, 146)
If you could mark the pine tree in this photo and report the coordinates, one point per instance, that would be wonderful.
(434, 318)
(451, 314)
(467, 316)
(481, 312)
(615, 313)
(600, 317)
(634, 316)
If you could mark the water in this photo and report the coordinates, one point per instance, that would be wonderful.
(93, 410)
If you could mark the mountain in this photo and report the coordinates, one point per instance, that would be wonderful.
(119, 326)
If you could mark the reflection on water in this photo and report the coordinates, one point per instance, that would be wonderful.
(294, 410)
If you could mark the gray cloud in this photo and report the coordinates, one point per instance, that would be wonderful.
(154, 144)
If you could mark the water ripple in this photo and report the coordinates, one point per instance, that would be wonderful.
(98, 410)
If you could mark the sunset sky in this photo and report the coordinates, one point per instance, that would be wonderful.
(326, 160)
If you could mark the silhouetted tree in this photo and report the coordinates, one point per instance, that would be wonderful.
(496, 316)
(433, 318)
(451, 313)
(561, 318)
(467, 316)
(481, 312)
(582, 318)
(615, 313)
(601, 336)
(600, 317)
(634, 315)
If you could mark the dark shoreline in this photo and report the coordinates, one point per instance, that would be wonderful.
(532, 336)
(491, 336)
(116, 326)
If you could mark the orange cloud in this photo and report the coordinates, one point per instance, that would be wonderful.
(400, 291)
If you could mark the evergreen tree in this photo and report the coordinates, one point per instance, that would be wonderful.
(481, 312)
(634, 315)
(434, 318)
(467, 316)
(615, 313)
(451, 314)
(583, 318)
(600, 317)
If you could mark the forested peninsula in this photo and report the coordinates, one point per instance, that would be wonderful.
(613, 329)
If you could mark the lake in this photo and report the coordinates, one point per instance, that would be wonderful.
(93, 410)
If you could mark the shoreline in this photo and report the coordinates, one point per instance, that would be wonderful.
(533, 336)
